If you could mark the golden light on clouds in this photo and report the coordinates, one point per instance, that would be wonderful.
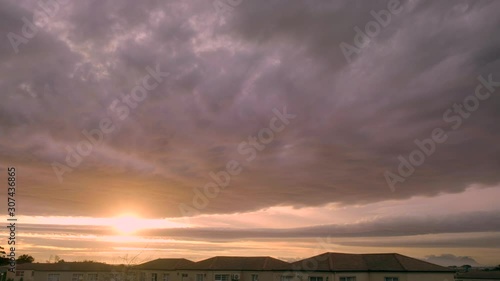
(125, 224)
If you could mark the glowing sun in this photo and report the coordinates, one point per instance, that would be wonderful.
(128, 224)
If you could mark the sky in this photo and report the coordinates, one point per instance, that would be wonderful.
(197, 128)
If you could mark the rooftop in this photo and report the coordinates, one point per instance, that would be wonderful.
(165, 264)
(333, 262)
(367, 262)
(241, 263)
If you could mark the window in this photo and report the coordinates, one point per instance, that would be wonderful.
(165, 276)
(199, 277)
(154, 277)
(20, 273)
(391, 279)
(77, 277)
(131, 276)
(92, 277)
(349, 278)
(221, 277)
(286, 278)
(255, 277)
(315, 278)
(53, 277)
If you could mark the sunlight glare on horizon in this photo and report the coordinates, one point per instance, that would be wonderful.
(129, 224)
(124, 224)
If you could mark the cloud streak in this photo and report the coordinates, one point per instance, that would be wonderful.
(383, 227)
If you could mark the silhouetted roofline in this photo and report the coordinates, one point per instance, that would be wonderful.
(326, 262)
(373, 262)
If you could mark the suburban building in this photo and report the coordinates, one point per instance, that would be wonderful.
(4, 273)
(478, 276)
(236, 269)
(160, 270)
(324, 267)
(67, 271)
(367, 267)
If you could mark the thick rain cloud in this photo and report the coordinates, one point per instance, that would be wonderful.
(226, 75)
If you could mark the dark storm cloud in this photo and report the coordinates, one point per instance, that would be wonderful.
(353, 120)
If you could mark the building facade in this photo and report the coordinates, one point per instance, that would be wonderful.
(324, 267)
(368, 267)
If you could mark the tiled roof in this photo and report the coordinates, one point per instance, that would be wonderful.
(165, 264)
(333, 262)
(241, 263)
(366, 262)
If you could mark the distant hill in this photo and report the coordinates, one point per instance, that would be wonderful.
(450, 260)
